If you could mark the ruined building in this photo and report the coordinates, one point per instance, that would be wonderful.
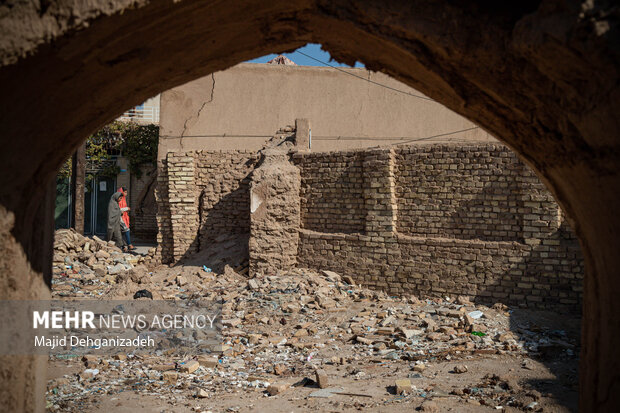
(452, 214)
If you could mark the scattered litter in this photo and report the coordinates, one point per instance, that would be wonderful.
(143, 294)
(326, 393)
(306, 327)
(476, 314)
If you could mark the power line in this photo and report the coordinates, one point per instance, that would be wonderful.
(363, 78)
(217, 135)
(436, 136)
(402, 139)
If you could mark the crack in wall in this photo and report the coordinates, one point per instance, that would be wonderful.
(197, 116)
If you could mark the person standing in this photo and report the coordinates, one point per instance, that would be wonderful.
(114, 222)
(122, 203)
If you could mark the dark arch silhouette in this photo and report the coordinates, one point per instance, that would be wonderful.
(540, 75)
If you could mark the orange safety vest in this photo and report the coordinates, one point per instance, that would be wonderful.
(122, 203)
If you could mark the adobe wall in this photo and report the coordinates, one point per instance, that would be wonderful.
(202, 196)
(274, 214)
(143, 214)
(345, 109)
(332, 192)
(432, 220)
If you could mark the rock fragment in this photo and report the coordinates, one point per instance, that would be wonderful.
(322, 379)
(403, 386)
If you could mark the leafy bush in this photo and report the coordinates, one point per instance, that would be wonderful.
(138, 143)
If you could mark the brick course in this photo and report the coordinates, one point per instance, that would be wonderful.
(431, 220)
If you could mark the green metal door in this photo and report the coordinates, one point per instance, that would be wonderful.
(99, 190)
(105, 190)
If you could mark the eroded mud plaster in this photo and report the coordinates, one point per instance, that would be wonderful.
(541, 76)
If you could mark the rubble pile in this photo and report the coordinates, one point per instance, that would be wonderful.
(310, 337)
(82, 262)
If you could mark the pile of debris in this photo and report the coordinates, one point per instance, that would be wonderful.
(324, 336)
(88, 260)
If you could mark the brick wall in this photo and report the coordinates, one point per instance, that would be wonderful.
(143, 214)
(274, 214)
(448, 220)
(431, 220)
(202, 196)
(468, 194)
(332, 196)
(222, 179)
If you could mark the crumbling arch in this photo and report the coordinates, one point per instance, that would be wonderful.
(542, 76)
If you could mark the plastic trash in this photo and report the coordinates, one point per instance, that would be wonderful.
(475, 314)
(478, 333)
(207, 269)
(143, 294)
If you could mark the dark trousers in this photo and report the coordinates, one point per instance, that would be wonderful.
(127, 237)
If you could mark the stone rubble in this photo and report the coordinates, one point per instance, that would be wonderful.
(87, 264)
(298, 329)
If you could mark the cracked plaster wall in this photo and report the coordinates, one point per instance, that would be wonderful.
(250, 101)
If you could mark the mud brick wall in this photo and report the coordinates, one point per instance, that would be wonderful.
(143, 214)
(469, 194)
(222, 180)
(332, 191)
(449, 220)
(200, 196)
(183, 203)
(431, 220)
(274, 214)
(164, 222)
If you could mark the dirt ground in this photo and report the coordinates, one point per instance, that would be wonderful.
(554, 392)
(279, 330)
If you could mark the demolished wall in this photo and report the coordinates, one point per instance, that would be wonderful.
(143, 205)
(433, 220)
(274, 214)
(206, 195)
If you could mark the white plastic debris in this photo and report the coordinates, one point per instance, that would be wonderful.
(475, 314)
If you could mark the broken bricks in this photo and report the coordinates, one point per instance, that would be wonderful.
(321, 378)
(368, 330)
(170, 377)
(403, 386)
(206, 361)
(189, 366)
(277, 388)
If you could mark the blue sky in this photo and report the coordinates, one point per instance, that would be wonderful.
(311, 49)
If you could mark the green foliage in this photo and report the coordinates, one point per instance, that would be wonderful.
(140, 146)
(138, 143)
(65, 170)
